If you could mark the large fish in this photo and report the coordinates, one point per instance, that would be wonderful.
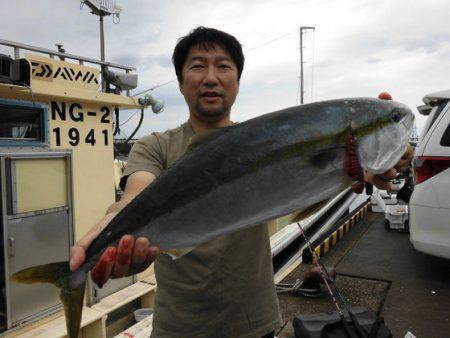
(240, 176)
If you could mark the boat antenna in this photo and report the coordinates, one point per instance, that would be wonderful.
(103, 8)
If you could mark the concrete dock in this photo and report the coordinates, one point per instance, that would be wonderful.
(382, 271)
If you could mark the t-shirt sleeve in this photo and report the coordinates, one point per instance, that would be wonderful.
(147, 154)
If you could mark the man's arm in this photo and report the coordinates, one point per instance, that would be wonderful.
(130, 256)
(136, 182)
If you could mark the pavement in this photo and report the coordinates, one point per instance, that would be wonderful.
(382, 271)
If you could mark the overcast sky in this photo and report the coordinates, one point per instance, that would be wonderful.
(359, 47)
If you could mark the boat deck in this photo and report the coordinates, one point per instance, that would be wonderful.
(381, 270)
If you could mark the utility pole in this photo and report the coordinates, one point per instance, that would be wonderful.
(302, 28)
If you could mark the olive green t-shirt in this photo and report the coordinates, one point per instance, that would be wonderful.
(223, 288)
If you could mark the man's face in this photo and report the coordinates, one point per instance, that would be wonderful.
(210, 83)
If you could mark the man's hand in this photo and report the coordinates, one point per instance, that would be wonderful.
(382, 181)
(130, 256)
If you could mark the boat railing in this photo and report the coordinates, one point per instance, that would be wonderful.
(81, 59)
(17, 46)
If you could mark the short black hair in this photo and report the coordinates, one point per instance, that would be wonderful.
(206, 38)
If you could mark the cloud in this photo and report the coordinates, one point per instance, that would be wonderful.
(372, 59)
(162, 60)
(359, 48)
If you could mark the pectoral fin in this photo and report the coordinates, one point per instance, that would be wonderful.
(177, 253)
(71, 296)
(202, 137)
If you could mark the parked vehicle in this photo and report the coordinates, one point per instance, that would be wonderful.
(430, 201)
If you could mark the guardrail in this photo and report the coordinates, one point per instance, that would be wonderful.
(17, 46)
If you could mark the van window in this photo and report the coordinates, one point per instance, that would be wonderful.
(445, 140)
(440, 108)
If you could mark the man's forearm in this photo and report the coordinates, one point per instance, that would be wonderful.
(136, 182)
(118, 206)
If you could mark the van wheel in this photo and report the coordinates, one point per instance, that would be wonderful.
(406, 226)
(387, 224)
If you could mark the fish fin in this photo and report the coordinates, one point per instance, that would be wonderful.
(48, 273)
(352, 165)
(72, 300)
(71, 285)
(177, 253)
(203, 137)
(302, 214)
(327, 159)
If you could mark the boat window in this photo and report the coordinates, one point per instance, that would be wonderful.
(21, 123)
(445, 140)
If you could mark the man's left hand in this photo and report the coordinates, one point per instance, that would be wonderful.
(382, 181)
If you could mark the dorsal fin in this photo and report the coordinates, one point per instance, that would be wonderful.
(203, 137)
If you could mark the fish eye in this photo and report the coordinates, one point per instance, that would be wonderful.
(396, 116)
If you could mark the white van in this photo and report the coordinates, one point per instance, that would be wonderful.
(430, 201)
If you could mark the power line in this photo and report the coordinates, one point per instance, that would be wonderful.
(268, 42)
(120, 125)
(247, 50)
(154, 87)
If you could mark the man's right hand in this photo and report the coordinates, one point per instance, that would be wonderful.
(131, 255)
(128, 258)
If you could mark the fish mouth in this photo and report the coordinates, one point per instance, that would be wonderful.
(391, 141)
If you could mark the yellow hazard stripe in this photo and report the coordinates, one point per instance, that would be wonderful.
(334, 238)
(326, 245)
(317, 254)
(337, 235)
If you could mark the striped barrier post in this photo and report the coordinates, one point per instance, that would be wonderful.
(324, 243)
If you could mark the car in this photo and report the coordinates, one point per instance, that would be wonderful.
(430, 200)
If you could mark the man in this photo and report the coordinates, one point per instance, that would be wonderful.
(223, 288)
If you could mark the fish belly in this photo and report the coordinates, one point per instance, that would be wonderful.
(252, 199)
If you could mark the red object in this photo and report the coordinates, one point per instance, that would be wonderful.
(426, 167)
(100, 272)
(385, 96)
(353, 167)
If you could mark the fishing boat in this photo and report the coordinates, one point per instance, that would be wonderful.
(58, 174)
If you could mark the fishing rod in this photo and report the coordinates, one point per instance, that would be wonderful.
(325, 276)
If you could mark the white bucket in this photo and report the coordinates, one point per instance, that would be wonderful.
(141, 314)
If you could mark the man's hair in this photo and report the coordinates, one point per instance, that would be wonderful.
(206, 38)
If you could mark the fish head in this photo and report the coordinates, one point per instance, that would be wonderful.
(382, 129)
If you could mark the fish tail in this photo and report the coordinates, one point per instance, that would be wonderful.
(71, 285)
